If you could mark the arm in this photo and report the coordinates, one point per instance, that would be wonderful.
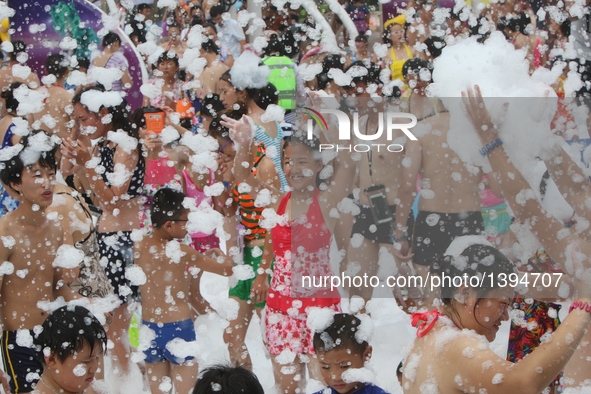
(406, 196)
(260, 286)
(516, 189)
(532, 374)
(195, 259)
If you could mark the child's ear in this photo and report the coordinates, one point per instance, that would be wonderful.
(51, 360)
(367, 354)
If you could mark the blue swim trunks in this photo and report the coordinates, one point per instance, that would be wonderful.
(165, 333)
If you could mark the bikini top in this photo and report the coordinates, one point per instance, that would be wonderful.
(425, 321)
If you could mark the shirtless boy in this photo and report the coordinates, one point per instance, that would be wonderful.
(28, 248)
(165, 296)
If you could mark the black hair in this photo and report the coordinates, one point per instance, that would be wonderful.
(111, 38)
(67, 330)
(435, 46)
(217, 130)
(264, 96)
(167, 205)
(475, 31)
(212, 25)
(120, 113)
(216, 10)
(340, 334)
(57, 65)
(210, 46)
(565, 27)
(138, 119)
(274, 46)
(143, 6)
(172, 25)
(372, 76)
(8, 96)
(329, 62)
(225, 379)
(361, 38)
(12, 169)
(415, 65)
(83, 62)
(211, 105)
(400, 369)
(478, 260)
(386, 33)
(165, 57)
(18, 46)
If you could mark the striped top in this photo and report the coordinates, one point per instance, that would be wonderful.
(273, 144)
(250, 215)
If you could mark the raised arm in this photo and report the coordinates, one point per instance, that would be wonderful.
(518, 193)
(206, 263)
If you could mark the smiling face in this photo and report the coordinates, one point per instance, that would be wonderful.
(335, 362)
(301, 174)
(168, 68)
(397, 34)
(489, 312)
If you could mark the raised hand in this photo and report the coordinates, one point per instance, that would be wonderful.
(76, 151)
(240, 130)
(477, 112)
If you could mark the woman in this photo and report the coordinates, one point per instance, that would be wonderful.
(111, 57)
(451, 353)
(299, 243)
(116, 174)
(171, 87)
(252, 236)
(269, 133)
(394, 36)
(174, 42)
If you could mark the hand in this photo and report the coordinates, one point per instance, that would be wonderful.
(477, 112)
(76, 151)
(259, 289)
(167, 112)
(153, 144)
(403, 253)
(214, 253)
(4, 382)
(240, 130)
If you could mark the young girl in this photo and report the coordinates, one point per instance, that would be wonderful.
(300, 244)
(114, 166)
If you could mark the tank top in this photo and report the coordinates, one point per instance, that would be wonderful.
(311, 232)
(396, 66)
(274, 144)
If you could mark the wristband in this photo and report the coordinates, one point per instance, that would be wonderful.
(486, 149)
(580, 305)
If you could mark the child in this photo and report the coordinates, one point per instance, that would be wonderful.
(340, 348)
(69, 346)
(165, 295)
(359, 13)
(224, 379)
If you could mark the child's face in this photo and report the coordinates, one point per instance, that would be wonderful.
(301, 174)
(76, 373)
(335, 362)
(178, 228)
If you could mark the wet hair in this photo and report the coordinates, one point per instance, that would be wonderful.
(8, 96)
(227, 77)
(138, 120)
(120, 113)
(264, 96)
(216, 10)
(18, 47)
(400, 369)
(143, 6)
(211, 105)
(217, 130)
(300, 137)
(361, 38)
(372, 76)
(83, 62)
(173, 25)
(474, 31)
(211, 25)
(286, 144)
(435, 46)
(67, 330)
(167, 205)
(329, 62)
(415, 65)
(476, 260)
(274, 46)
(165, 57)
(111, 38)
(57, 65)
(210, 46)
(225, 379)
(340, 334)
(12, 169)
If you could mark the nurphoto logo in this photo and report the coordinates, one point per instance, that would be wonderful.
(391, 120)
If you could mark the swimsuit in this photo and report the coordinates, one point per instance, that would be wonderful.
(22, 364)
(273, 144)
(201, 242)
(165, 333)
(382, 233)
(397, 64)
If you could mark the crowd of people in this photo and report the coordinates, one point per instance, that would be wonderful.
(106, 207)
